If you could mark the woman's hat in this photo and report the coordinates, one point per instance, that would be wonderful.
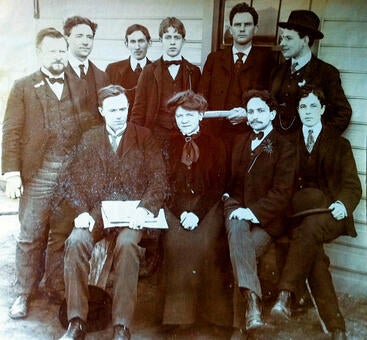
(303, 20)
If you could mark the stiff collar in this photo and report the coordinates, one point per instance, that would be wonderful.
(46, 72)
(166, 57)
(134, 62)
(74, 63)
(302, 61)
(115, 133)
(316, 130)
(245, 52)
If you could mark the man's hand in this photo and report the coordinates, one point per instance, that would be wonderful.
(138, 218)
(14, 187)
(84, 221)
(240, 214)
(338, 210)
(238, 115)
(189, 220)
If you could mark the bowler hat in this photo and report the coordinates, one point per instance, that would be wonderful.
(303, 20)
(99, 310)
(309, 201)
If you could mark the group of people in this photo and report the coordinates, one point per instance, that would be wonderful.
(74, 136)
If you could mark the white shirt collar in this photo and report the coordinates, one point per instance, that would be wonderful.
(134, 62)
(115, 133)
(255, 143)
(74, 63)
(316, 130)
(302, 61)
(50, 75)
(166, 57)
(246, 52)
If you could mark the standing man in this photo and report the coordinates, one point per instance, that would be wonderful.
(327, 178)
(303, 68)
(80, 32)
(43, 121)
(126, 72)
(162, 79)
(256, 204)
(118, 161)
(230, 73)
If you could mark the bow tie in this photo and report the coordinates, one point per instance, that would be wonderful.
(56, 80)
(258, 135)
(172, 62)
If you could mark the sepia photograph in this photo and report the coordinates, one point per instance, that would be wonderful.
(183, 169)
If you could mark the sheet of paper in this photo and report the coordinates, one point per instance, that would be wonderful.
(117, 214)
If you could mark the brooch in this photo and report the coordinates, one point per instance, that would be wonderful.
(268, 146)
(41, 83)
(302, 83)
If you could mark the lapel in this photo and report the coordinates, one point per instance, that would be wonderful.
(267, 142)
(39, 83)
(124, 68)
(281, 73)
(310, 70)
(250, 60)
(99, 76)
(325, 142)
(226, 60)
(77, 89)
(157, 72)
(187, 74)
(128, 140)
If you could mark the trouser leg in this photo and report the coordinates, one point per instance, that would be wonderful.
(126, 261)
(78, 250)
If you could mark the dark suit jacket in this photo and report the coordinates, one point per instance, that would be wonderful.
(336, 172)
(325, 76)
(149, 89)
(265, 185)
(214, 83)
(101, 80)
(25, 135)
(118, 72)
(135, 172)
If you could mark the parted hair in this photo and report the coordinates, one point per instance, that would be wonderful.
(243, 7)
(109, 91)
(137, 27)
(263, 95)
(48, 32)
(318, 92)
(78, 20)
(172, 22)
(188, 100)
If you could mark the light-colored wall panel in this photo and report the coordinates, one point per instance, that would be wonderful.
(359, 241)
(360, 157)
(345, 58)
(359, 108)
(345, 33)
(346, 10)
(355, 84)
(360, 214)
(357, 135)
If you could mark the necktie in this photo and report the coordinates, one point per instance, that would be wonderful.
(56, 80)
(138, 69)
(82, 72)
(310, 141)
(293, 67)
(190, 151)
(239, 62)
(113, 140)
(172, 62)
(258, 135)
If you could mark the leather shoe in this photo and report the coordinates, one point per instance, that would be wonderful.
(254, 317)
(76, 330)
(121, 332)
(282, 306)
(20, 306)
(338, 334)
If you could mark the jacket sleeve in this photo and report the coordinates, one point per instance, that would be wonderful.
(205, 81)
(13, 132)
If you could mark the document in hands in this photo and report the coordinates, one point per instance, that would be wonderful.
(119, 213)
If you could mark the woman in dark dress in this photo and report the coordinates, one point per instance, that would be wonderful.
(194, 285)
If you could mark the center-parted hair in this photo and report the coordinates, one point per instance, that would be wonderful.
(263, 95)
(109, 91)
(188, 100)
(172, 22)
(78, 20)
(48, 32)
(243, 8)
(137, 27)
(318, 92)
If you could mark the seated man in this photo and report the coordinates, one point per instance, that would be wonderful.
(118, 161)
(259, 194)
(327, 178)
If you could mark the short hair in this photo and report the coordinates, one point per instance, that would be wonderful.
(78, 20)
(302, 33)
(137, 27)
(48, 32)
(172, 22)
(188, 100)
(317, 91)
(243, 8)
(264, 95)
(109, 91)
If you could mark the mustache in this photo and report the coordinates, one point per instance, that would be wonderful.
(254, 121)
